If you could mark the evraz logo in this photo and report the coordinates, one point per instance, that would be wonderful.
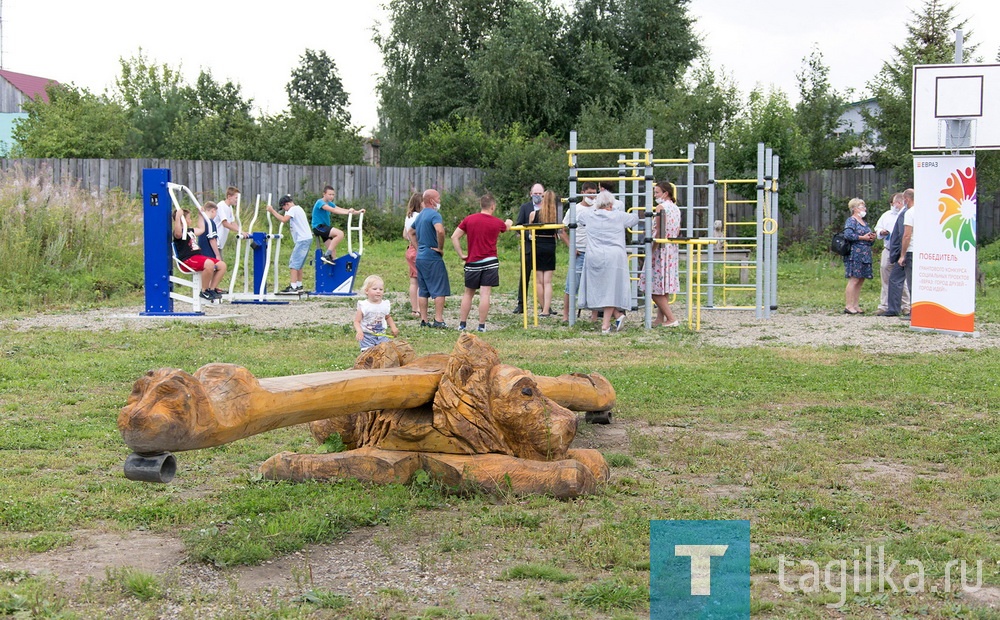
(699, 569)
(957, 204)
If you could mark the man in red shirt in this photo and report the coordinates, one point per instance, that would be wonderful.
(482, 267)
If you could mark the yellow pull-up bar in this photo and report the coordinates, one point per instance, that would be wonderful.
(571, 152)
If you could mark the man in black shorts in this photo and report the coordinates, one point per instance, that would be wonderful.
(482, 268)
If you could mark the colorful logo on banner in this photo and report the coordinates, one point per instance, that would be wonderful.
(943, 293)
(957, 205)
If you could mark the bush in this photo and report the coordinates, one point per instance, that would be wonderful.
(63, 245)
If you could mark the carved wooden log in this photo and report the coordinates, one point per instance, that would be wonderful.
(171, 410)
(565, 478)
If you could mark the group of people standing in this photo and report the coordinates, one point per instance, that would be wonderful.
(601, 264)
(895, 229)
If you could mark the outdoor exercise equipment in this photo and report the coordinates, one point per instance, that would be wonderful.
(461, 417)
(521, 230)
(338, 278)
(718, 264)
(159, 257)
(259, 245)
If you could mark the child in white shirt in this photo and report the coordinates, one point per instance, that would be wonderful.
(373, 316)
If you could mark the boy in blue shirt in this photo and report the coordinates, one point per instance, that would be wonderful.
(321, 225)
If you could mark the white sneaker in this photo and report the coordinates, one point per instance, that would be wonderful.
(674, 324)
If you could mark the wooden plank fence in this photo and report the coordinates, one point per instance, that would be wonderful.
(383, 186)
(823, 201)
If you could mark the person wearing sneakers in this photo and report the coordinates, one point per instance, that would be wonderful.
(432, 274)
(295, 217)
(208, 240)
(605, 280)
(482, 267)
(321, 225)
(189, 252)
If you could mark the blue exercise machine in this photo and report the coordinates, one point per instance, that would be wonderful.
(337, 278)
(158, 250)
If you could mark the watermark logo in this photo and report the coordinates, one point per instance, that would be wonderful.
(870, 571)
(699, 570)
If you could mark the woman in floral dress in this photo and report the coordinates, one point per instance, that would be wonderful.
(857, 264)
(666, 224)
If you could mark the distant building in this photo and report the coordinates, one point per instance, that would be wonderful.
(372, 155)
(852, 121)
(15, 89)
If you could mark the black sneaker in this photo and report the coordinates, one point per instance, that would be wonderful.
(439, 325)
(481, 328)
(518, 310)
(290, 290)
(424, 324)
(208, 295)
(327, 258)
(220, 292)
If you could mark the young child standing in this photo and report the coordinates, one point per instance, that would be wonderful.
(372, 316)
(302, 237)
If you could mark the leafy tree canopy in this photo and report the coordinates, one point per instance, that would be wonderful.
(73, 123)
(316, 86)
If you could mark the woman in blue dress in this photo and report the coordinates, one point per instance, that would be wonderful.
(857, 264)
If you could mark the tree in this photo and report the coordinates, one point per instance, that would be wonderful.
(929, 41)
(426, 54)
(818, 115)
(215, 124)
(73, 123)
(652, 42)
(768, 118)
(316, 86)
(514, 74)
(153, 99)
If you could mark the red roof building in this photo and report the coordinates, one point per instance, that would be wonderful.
(16, 88)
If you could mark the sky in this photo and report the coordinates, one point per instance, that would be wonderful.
(258, 45)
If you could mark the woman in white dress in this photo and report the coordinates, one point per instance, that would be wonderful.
(605, 279)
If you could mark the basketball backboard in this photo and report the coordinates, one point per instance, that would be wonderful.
(967, 95)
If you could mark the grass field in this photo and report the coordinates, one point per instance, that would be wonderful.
(824, 450)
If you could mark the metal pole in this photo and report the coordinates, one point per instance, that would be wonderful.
(774, 244)
(765, 276)
(573, 284)
(758, 259)
(647, 265)
(710, 225)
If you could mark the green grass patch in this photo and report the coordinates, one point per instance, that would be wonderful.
(545, 572)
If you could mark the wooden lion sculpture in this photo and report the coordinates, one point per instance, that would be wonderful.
(465, 418)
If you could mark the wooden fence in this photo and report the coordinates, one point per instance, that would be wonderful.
(209, 179)
(823, 201)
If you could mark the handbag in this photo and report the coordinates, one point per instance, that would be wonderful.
(840, 245)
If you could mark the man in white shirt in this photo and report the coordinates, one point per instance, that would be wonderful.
(883, 230)
(902, 257)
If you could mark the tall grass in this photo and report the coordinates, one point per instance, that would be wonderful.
(61, 245)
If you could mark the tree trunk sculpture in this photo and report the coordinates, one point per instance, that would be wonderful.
(463, 417)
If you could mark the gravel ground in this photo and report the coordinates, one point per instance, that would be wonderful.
(728, 328)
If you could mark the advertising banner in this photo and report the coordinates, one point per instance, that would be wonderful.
(944, 243)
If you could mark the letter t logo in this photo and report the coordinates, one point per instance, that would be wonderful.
(701, 565)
